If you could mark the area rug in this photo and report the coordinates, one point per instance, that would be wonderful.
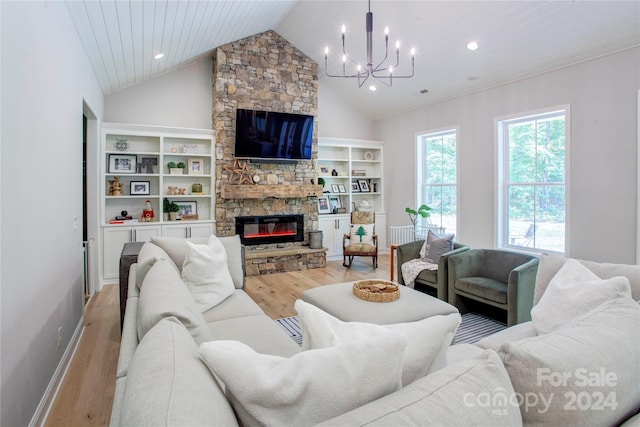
(473, 328)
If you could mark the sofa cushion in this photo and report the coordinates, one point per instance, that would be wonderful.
(239, 304)
(435, 246)
(164, 294)
(148, 255)
(206, 274)
(311, 386)
(572, 292)
(474, 392)
(176, 248)
(550, 264)
(168, 384)
(586, 373)
(258, 332)
(512, 333)
(483, 287)
(428, 339)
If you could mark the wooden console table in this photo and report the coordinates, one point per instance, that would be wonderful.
(392, 250)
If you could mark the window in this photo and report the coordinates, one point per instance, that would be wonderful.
(532, 180)
(437, 174)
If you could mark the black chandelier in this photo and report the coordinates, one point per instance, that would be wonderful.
(383, 73)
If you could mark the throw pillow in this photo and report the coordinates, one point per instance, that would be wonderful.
(310, 387)
(473, 392)
(164, 294)
(583, 374)
(361, 233)
(167, 383)
(573, 291)
(429, 339)
(206, 274)
(435, 246)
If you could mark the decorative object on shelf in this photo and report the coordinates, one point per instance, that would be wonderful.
(174, 169)
(342, 188)
(148, 163)
(381, 72)
(334, 172)
(375, 187)
(335, 188)
(334, 202)
(147, 212)
(368, 155)
(364, 186)
(122, 163)
(189, 217)
(376, 290)
(256, 178)
(341, 210)
(166, 208)
(196, 188)
(355, 188)
(240, 171)
(174, 208)
(196, 167)
(321, 181)
(124, 216)
(139, 188)
(324, 170)
(187, 208)
(174, 150)
(359, 172)
(323, 205)
(115, 187)
(122, 144)
(176, 191)
(190, 148)
(365, 206)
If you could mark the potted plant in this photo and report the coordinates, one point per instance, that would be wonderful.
(423, 211)
(173, 169)
(173, 211)
(181, 165)
(166, 208)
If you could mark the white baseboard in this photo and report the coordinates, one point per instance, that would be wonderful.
(44, 407)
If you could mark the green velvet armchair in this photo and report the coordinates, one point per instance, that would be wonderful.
(437, 279)
(500, 278)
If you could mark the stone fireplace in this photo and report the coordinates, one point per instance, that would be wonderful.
(265, 72)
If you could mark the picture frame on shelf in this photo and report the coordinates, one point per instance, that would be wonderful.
(323, 205)
(190, 148)
(341, 188)
(335, 188)
(355, 188)
(364, 186)
(122, 163)
(196, 167)
(334, 203)
(187, 208)
(139, 188)
(324, 170)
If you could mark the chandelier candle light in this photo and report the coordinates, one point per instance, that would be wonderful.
(380, 72)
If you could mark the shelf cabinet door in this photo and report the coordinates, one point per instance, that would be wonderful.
(188, 230)
(333, 228)
(113, 240)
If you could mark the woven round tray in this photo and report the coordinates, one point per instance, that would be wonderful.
(376, 290)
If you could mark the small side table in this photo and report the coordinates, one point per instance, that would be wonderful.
(128, 256)
(391, 256)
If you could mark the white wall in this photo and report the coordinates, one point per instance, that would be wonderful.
(603, 190)
(336, 119)
(181, 98)
(44, 79)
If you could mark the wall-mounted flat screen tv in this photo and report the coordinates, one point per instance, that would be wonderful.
(273, 135)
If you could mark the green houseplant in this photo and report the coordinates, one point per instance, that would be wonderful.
(173, 169)
(170, 208)
(423, 211)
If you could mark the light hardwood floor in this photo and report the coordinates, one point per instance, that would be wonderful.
(86, 395)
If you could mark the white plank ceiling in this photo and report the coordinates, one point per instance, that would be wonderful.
(517, 39)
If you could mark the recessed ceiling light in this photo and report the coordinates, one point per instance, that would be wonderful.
(472, 46)
(373, 87)
(159, 56)
(423, 91)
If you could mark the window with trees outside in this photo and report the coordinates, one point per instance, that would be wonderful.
(437, 174)
(532, 179)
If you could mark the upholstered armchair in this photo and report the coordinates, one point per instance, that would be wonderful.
(362, 239)
(436, 279)
(500, 278)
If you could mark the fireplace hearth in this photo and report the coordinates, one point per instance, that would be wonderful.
(260, 230)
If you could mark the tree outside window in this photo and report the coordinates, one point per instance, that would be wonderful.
(437, 172)
(533, 192)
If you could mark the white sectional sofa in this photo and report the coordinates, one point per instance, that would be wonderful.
(163, 379)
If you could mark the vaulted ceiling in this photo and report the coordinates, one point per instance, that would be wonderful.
(517, 39)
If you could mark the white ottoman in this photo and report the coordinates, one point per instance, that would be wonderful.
(339, 301)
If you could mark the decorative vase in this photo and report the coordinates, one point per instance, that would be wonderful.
(173, 216)
(165, 216)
